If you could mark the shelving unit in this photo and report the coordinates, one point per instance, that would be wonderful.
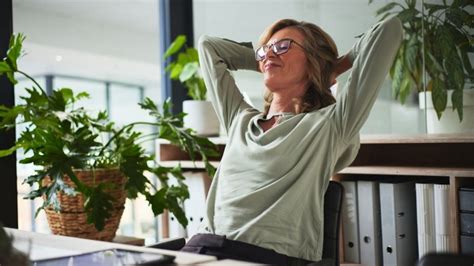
(448, 156)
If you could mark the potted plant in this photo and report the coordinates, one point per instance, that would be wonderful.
(185, 67)
(433, 58)
(83, 176)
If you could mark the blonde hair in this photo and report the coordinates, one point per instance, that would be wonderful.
(321, 53)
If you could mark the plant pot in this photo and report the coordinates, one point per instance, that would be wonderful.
(201, 117)
(449, 122)
(72, 220)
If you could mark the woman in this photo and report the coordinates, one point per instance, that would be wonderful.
(266, 200)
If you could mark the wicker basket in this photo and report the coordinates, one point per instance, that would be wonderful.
(72, 220)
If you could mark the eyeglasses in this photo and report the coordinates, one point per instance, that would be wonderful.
(280, 47)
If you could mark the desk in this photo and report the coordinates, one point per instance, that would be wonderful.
(44, 245)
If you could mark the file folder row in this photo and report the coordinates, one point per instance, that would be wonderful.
(393, 223)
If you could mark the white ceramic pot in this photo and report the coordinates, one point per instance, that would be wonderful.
(201, 117)
(449, 122)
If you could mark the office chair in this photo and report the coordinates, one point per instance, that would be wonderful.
(443, 259)
(332, 216)
(332, 221)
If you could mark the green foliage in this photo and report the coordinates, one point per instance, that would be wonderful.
(60, 138)
(440, 36)
(185, 68)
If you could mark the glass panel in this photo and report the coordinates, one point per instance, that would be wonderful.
(124, 109)
(26, 207)
(342, 19)
(95, 42)
(96, 90)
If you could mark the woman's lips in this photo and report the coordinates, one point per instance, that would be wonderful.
(270, 65)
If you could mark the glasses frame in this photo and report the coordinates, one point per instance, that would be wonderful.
(274, 48)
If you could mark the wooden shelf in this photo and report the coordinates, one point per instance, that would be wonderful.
(409, 171)
(417, 139)
(216, 140)
(187, 165)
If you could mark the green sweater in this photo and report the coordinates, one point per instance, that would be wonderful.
(269, 188)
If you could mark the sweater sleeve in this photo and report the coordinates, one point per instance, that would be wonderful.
(372, 55)
(217, 56)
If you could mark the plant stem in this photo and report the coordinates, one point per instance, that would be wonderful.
(120, 132)
(32, 79)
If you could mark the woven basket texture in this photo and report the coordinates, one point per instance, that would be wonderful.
(72, 220)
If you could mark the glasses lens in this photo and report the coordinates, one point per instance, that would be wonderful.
(278, 48)
(281, 47)
(260, 53)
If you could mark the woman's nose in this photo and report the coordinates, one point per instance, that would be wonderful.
(269, 53)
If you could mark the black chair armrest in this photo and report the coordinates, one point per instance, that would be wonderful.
(171, 244)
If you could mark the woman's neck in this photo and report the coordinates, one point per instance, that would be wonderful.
(284, 104)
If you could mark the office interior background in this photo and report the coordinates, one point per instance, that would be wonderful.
(111, 49)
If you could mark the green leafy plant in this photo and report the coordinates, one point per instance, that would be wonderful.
(438, 35)
(60, 138)
(185, 68)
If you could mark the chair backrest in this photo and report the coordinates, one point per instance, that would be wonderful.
(332, 216)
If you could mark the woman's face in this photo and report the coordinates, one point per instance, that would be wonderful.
(285, 73)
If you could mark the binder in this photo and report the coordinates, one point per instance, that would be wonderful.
(467, 245)
(467, 223)
(398, 220)
(370, 243)
(441, 210)
(425, 218)
(350, 223)
(466, 199)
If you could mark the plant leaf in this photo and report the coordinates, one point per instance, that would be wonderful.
(432, 8)
(439, 96)
(457, 100)
(397, 77)
(405, 87)
(189, 70)
(386, 8)
(454, 71)
(434, 62)
(14, 51)
(11, 77)
(176, 71)
(4, 67)
(192, 54)
(183, 59)
(411, 51)
(407, 15)
(98, 206)
(9, 151)
(445, 41)
(175, 46)
(457, 16)
(158, 201)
